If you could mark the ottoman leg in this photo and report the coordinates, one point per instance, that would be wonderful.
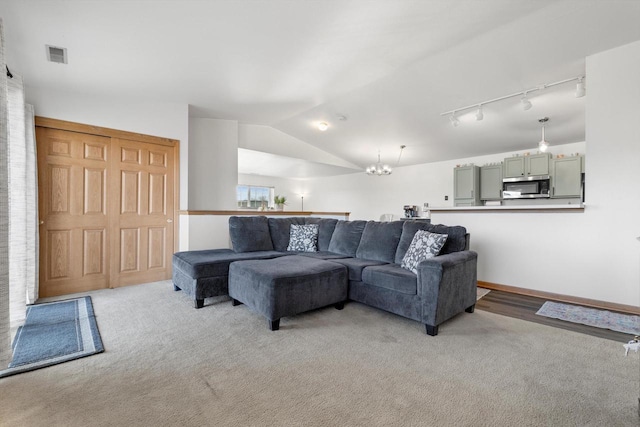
(274, 325)
(470, 309)
(199, 303)
(339, 306)
(175, 288)
(235, 302)
(431, 330)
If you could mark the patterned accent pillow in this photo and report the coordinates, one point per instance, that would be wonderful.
(303, 238)
(423, 246)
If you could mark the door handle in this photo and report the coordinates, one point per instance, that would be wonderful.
(169, 220)
(41, 222)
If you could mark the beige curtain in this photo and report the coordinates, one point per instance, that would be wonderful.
(5, 326)
(22, 203)
(18, 208)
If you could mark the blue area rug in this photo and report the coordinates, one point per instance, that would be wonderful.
(626, 323)
(53, 333)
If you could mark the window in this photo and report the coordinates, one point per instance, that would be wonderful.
(252, 197)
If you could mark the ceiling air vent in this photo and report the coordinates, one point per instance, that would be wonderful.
(57, 54)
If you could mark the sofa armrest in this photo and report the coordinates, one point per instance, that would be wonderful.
(447, 285)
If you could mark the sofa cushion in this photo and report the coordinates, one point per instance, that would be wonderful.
(214, 262)
(456, 241)
(250, 233)
(392, 277)
(380, 241)
(409, 229)
(280, 229)
(346, 237)
(326, 255)
(356, 265)
(303, 238)
(423, 246)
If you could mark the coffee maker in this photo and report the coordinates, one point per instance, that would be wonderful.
(410, 211)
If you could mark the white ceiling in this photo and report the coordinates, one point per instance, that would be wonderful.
(390, 66)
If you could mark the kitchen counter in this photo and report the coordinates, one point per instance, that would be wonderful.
(512, 208)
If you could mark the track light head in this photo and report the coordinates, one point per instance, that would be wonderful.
(581, 90)
(526, 104)
(479, 113)
(454, 120)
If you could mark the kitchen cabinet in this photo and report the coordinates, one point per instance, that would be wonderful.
(491, 182)
(466, 186)
(566, 177)
(537, 164)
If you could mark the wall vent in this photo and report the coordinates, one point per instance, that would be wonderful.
(57, 54)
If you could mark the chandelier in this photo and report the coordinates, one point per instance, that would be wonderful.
(379, 169)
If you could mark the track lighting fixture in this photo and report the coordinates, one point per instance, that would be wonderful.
(454, 120)
(479, 113)
(580, 89)
(524, 100)
(543, 145)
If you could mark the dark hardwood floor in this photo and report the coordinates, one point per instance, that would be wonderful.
(524, 307)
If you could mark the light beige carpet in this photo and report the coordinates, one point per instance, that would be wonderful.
(166, 363)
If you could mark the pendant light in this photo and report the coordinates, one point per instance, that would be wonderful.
(543, 145)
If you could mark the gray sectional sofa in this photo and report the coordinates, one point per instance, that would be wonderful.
(355, 260)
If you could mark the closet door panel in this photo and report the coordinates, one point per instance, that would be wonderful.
(72, 191)
(142, 228)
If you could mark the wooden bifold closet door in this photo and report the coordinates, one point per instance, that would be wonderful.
(106, 208)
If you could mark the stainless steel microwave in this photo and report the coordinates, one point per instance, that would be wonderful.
(526, 187)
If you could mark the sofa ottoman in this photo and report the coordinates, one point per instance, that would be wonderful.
(204, 274)
(287, 286)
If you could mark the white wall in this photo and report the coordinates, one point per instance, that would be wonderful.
(213, 164)
(613, 138)
(167, 120)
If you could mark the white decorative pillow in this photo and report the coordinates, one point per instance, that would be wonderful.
(303, 238)
(423, 246)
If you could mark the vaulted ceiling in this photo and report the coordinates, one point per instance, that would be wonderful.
(390, 67)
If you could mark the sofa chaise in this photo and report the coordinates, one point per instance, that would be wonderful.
(353, 260)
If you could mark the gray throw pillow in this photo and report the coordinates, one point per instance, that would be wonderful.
(303, 238)
(423, 246)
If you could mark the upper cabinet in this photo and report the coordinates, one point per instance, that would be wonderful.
(466, 185)
(491, 182)
(566, 176)
(537, 164)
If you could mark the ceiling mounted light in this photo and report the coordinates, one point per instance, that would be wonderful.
(454, 120)
(543, 145)
(580, 88)
(322, 126)
(479, 113)
(379, 169)
(526, 104)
